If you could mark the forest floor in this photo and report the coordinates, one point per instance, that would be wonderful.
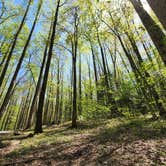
(115, 142)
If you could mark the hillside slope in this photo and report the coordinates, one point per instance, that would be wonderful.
(113, 142)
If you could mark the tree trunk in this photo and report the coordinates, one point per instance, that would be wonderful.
(74, 43)
(56, 115)
(38, 125)
(13, 81)
(80, 87)
(39, 82)
(153, 29)
(159, 7)
(74, 113)
(95, 70)
(149, 90)
(13, 45)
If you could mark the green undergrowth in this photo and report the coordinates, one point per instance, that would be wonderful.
(114, 130)
(133, 129)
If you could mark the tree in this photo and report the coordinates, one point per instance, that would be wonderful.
(13, 44)
(159, 9)
(39, 82)
(38, 124)
(12, 83)
(74, 43)
(153, 29)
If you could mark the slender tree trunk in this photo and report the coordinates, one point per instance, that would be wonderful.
(150, 91)
(39, 82)
(12, 83)
(17, 117)
(61, 101)
(80, 87)
(20, 114)
(103, 60)
(38, 125)
(56, 115)
(5, 56)
(95, 70)
(146, 75)
(13, 45)
(135, 49)
(74, 43)
(74, 113)
(90, 81)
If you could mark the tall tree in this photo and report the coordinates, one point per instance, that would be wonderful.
(13, 44)
(13, 80)
(155, 32)
(39, 82)
(74, 60)
(38, 124)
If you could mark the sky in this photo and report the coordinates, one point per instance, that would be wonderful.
(146, 6)
(29, 23)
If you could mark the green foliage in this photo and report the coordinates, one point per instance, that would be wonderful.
(93, 110)
(100, 28)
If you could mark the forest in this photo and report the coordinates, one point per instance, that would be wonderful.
(83, 82)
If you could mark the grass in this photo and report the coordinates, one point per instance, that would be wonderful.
(140, 128)
(59, 142)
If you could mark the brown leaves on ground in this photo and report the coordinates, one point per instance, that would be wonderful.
(121, 145)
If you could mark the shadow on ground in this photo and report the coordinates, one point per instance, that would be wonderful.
(131, 142)
(133, 130)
